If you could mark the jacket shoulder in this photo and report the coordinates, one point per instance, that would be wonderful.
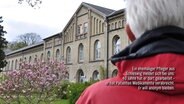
(95, 91)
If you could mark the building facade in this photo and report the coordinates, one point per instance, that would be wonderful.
(89, 39)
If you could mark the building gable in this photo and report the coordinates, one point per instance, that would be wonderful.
(82, 11)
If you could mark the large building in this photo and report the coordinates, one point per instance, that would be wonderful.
(89, 39)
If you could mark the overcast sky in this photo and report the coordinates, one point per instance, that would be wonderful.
(50, 19)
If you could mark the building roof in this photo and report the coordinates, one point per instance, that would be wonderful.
(103, 10)
(25, 48)
(52, 36)
(121, 11)
(98, 9)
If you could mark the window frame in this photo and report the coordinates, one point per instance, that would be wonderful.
(81, 53)
(97, 50)
(68, 55)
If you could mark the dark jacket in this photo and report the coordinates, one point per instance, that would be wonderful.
(159, 52)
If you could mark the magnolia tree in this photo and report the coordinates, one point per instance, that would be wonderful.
(33, 83)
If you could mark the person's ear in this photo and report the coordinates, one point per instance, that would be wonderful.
(130, 34)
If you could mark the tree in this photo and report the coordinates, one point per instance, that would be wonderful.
(29, 38)
(3, 44)
(24, 40)
(16, 45)
(35, 83)
(32, 3)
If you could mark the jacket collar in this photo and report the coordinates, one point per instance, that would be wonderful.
(168, 39)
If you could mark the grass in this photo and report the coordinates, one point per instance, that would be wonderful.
(59, 101)
(63, 101)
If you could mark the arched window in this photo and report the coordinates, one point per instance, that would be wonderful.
(114, 73)
(68, 55)
(81, 52)
(8, 66)
(66, 76)
(112, 26)
(16, 64)
(36, 58)
(123, 22)
(29, 59)
(119, 24)
(41, 58)
(94, 30)
(116, 45)
(20, 60)
(12, 65)
(115, 25)
(48, 55)
(25, 59)
(97, 26)
(100, 27)
(96, 75)
(109, 26)
(80, 76)
(57, 55)
(97, 49)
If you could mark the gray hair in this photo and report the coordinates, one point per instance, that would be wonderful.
(144, 15)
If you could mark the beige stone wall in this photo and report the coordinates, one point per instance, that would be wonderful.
(116, 31)
(14, 59)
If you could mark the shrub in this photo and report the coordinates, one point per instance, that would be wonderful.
(62, 90)
(33, 83)
(75, 89)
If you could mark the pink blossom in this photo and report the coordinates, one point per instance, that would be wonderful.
(40, 77)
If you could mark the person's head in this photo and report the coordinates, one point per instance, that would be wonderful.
(144, 15)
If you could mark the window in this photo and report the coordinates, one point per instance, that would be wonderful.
(109, 26)
(35, 59)
(119, 24)
(100, 27)
(123, 22)
(112, 26)
(12, 65)
(96, 75)
(20, 61)
(57, 55)
(116, 45)
(68, 55)
(67, 76)
(30, 59)
(79, 29)
(16, 64)
(94, 30)
(85, 27)
(80, 76)
(114, 73)
(97, 50)
(25, 59)
(81, 53)
(41, 58)
(115, 25)
(97, 26)
(8, 66)
(48, 55)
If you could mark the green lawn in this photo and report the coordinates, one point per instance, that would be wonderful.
(63, 101)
